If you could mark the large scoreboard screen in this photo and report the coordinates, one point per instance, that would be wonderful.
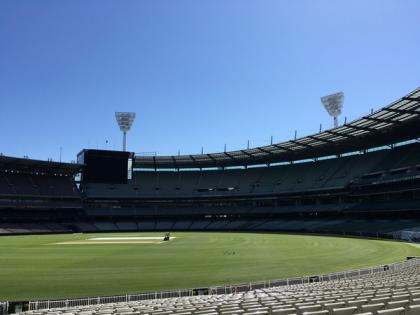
(102, 166)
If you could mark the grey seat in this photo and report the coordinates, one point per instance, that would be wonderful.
(309, 308)
(283, 311)
(322, 312)
(413, 310)
(372, 307)
(393, 311)
(357, 303)
(395, 304)
(331, 306)
(345, 310)
(256, 313)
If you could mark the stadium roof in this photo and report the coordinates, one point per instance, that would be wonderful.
(397, 122)
(28, 165)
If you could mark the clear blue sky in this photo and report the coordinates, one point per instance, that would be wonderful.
(196, 72)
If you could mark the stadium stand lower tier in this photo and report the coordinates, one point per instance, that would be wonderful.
(393, 292)
(377, 228)
(373, 194)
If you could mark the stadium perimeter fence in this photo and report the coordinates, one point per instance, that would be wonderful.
(228, 289)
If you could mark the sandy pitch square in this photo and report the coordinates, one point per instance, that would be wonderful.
(116, 240)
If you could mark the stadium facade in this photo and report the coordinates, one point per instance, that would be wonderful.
(361, 178)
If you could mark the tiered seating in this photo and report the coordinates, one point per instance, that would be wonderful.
(164, 225)
(217, 225)
(146, 225)
(386, 228)
(127, 226)
(86, 227)
(30, 199)
(333, 226)
(199, 225)
(33, 228)
(106, 226)
(336, 173)
(389, 292)
(181, 225)
(12, 184)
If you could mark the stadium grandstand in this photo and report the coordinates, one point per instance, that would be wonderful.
(360, 179)
(351, 179)
(34, 191)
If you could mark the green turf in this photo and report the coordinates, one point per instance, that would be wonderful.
(32, 268)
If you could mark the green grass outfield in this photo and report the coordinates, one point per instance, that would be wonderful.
(36, 267)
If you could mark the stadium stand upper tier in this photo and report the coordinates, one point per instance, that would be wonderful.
(388, 165)
(394, 123)
(25, 178)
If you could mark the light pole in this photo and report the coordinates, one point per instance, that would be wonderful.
(333, 104)
(125, 120)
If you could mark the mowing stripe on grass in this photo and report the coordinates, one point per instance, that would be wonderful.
(31, 270)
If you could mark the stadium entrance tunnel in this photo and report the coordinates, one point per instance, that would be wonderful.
(15, 307)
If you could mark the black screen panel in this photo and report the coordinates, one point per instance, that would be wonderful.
(105, 166)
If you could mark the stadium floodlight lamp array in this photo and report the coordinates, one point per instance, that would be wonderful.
(333, 104)
(125, 121)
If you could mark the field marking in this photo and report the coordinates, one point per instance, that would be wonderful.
(127, 238)
(415, 245)
(88, 242)
(115, 240)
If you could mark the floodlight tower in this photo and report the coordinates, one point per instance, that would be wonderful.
(125, 120)
(333, 104)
